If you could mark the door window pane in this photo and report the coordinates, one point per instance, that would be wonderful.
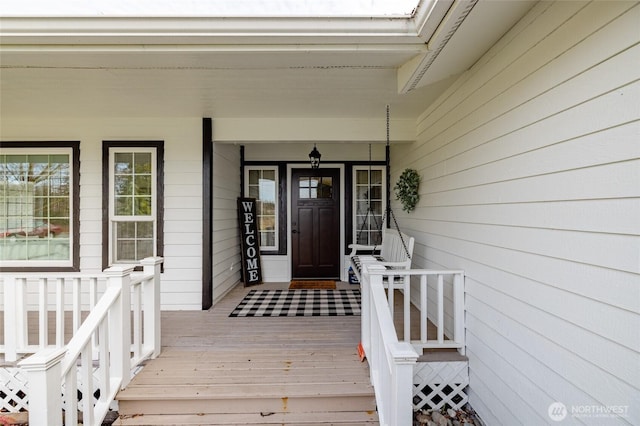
(312, 187)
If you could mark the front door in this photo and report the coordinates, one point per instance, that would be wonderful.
(315, 223)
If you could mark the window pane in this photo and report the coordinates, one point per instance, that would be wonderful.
(362, 177)
(126, 250)
(144, 249)
(142, 185)
(267, 239)
(376, 177)
(254, 175)
(124, 206)
(145, 230)
(142, 161)
(376, 192)
(362, 193)
(123, 185)
(142, 206)
(269, 175)
(123, 162)
(126, 230)
(325, 187)
(269, 208)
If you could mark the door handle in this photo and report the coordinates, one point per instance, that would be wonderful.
(295, 231)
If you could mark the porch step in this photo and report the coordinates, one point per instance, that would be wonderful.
(233, 387)
(306, 419)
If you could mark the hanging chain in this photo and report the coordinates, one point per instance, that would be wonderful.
(388, 133)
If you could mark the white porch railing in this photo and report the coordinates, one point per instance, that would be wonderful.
(433, 286)
(121, 330)
(391, 361)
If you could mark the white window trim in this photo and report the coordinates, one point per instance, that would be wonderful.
(153, 217)
(354, 205)
(67, 263)
(274, 168)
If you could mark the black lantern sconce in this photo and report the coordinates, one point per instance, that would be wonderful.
(314, 157)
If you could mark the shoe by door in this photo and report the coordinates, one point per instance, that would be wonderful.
(315, 223)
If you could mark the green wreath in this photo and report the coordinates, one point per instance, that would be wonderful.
(407, 189)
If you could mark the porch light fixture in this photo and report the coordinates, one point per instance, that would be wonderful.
(314, 157)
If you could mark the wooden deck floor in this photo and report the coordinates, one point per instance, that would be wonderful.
(235, 370)
(215, 330)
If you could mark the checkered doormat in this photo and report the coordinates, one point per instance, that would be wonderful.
(298, 303)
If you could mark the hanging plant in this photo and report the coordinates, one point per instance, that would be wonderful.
(407, 189)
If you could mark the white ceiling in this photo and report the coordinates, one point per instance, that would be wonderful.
(253, 67)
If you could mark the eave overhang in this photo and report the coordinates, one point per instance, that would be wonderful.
(420, 36)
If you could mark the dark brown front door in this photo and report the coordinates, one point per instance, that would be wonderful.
(315, 223)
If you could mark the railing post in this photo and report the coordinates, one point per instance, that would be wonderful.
(151, 304)
(45, 386)
(366, 302)
(120, 323)
(404, 358)
(458, 311)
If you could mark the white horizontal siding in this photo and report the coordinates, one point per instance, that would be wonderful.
(530, 168)
(226, 243)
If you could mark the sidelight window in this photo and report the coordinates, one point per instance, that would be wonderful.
(369, 204)
(261, 183)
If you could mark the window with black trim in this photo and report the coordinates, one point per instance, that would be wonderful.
(261, 183)
(368, 204)
(134, 198)
(39, 205)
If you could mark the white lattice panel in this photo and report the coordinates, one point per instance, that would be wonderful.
(13, 390)
(438, 383)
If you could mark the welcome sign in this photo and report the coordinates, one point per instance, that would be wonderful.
(251, 272)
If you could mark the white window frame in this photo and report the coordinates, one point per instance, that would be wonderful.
(58, 264)
(354, 209)
(274, 168)
(113, 218)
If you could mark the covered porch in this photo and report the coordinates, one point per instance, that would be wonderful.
(217, 369)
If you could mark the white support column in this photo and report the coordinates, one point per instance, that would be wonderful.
(45, 386)
(152, 323)
(404, 358)
(120, 323)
